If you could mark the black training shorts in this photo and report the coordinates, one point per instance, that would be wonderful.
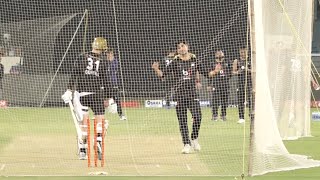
(94, 102)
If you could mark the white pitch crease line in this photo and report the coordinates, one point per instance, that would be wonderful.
(2, 167)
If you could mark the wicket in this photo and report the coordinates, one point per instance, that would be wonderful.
(95, 144)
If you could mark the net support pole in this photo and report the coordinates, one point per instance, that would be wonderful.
(86, 14)
(62, 60)
(253, 75)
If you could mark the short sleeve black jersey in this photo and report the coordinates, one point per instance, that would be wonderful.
(241, 67)
(223, 76)
(89, 73)
(184, 71)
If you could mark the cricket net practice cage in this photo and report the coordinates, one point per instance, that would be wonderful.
(41, 40)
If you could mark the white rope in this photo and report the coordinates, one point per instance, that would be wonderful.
(121, 74)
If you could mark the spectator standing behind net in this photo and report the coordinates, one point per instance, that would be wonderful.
(1, 74)
(184, 66)
(242, 68)
(113, 71)
(219, 77)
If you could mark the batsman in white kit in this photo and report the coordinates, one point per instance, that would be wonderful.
(90, 82)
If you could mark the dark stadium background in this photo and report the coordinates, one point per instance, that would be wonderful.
(147, 29)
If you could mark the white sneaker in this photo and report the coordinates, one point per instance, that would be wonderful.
(195, 145)
(123, 118)
(241, 121)
(82, 156)
(186, 149)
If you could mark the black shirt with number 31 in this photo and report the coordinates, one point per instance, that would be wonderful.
(89, 74)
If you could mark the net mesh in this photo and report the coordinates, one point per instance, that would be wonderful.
(41, 41)
(283, 46)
